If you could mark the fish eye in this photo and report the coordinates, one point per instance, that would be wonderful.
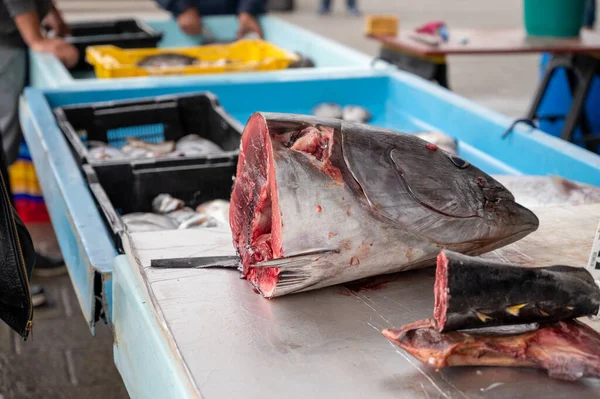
(459, 162)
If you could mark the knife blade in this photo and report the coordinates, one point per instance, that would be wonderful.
(201, 262)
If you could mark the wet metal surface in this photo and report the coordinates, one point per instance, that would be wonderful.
(327, 343)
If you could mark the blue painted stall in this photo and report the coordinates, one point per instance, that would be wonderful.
(397, 100)
(47, 70)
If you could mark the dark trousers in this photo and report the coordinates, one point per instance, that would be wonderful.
(327, 3)
(589, 19)
(5, 175)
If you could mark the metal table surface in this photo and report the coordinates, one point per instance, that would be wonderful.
(218, 339)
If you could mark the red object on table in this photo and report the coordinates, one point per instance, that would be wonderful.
(431, 28)
(502, 41)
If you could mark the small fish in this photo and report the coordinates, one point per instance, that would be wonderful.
(218, 209)
(164, 203)
(166, 60)
(328, 110)
(181, 215)
(194, 145)
(140, 222)
(198, 221)
(156, 149)
(105, 152)
(318, 202)
(222, 62)
(441, 140)
(136, 153)
(356, 114)
(302, 62)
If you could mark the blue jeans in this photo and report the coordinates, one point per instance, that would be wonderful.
(589, 19)
(326, 4)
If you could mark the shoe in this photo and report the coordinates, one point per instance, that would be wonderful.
(354, 12)
(324, 11)
(38, 295)
(48, 266)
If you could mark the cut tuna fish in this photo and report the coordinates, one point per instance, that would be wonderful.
(472, 293)
(318, 202)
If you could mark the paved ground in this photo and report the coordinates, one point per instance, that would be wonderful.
(62, 359)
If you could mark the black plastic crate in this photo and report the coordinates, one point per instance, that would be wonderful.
(125, 33)
(194, 184)
(154, 119)
(126, 186)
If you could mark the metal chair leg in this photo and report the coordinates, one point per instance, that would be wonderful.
(587, 71)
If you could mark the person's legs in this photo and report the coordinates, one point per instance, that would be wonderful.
(352, 8)
(325, 7)
(590, 14)
(13, 64)
(13, 74)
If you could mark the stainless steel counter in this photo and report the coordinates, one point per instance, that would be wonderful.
(327, 343)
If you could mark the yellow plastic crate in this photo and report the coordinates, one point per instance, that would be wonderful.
(244, 56)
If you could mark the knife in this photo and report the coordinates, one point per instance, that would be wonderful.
(201, 262)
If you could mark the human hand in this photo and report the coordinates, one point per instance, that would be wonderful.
(189, 21)
(248, 24)
(65, 52)
(55, 23)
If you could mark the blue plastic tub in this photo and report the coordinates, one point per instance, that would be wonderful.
(397, 100)
(47, 71)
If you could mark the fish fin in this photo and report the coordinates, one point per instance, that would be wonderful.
(483, 317)
(296, 260)
(514, 310)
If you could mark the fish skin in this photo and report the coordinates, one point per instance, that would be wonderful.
(181, 215)
(218, 209)
(165, 203)
(194, 145)
(105, 152)
(379, 202)
(141, 222)
(198, 221)
(472, 292)
(544, 191)
(156, 149)
(443, 141)
(166, 60)
(302, 62)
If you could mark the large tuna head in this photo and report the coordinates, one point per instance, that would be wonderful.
(319, 201)
(433, 193)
